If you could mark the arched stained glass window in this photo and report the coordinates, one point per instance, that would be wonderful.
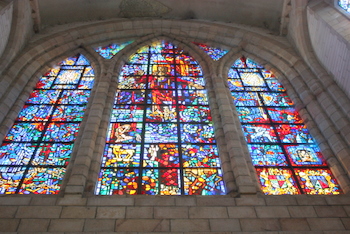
(36, 151)
(161, 138)
(345, 4)
(285, 155)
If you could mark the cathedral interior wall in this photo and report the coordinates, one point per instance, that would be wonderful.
(322, 104)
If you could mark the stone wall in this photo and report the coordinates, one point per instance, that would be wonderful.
(5, 25)
(330, 39)
(244, 209)
(180, 214)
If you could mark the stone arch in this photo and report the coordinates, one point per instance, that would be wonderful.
(258, 45)
(208, 71)
(305, 101)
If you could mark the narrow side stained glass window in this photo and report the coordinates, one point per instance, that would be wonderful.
(286, 157)
(160, 139)
(36, 151)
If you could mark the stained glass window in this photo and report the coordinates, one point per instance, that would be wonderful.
(160, 139)
(36, 151)
(285, 155)
(110, 50)
(214, 53)
(345, 4)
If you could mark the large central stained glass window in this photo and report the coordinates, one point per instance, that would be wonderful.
(285, 155)
(160, 139)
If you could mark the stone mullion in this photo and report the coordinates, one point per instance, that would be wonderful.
(109, 94)
(233, 138)
(81, 164)
(219, 134)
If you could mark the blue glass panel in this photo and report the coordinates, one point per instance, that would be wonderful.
(197, 133)
(267, 155)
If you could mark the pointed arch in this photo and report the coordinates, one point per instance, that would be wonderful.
(38, 147)
(160, 138)
(286, 157)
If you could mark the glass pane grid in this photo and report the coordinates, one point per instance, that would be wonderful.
(160, 140)
(38, 147)
(285, 155)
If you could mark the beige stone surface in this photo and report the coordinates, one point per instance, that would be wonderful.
(38, 212)
(294, 225)
(33, 225)
(272, 212)
(66, 225)
(9, 225)
(98, 225)
(241, 212)
(190, 225)
(323, 224)
(142, 225)
(260, 225)
(171, 212)
(110, 212)
(207, 212)
(78, 212)
(312, 81)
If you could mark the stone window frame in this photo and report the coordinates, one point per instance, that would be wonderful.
(241, 179)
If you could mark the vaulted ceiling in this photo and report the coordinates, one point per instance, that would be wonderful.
(269, 14)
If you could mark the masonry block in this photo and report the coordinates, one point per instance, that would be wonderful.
(241, 212)
(250, 200)
(224, 225)
(338, 200)
(8, 211)
(171, 212)
(330, 211)
(294, 225)
(18, 201)
(76, 212)
(185, 201)
(139, 212)
(34, 225)
(66, 225)
(43, 201)
(325, 224)
(110, 201)
(142, 225)
(208, 212)
(155, 200)
(347, 209)
(110, 212)
(215, 201)
(310, 200)
(8, 225)
(38, 212)
(281, 201)
(99, 225)
(272, 212)
(346, 223)
(190, 225)
(260, 225)
(302, 211)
